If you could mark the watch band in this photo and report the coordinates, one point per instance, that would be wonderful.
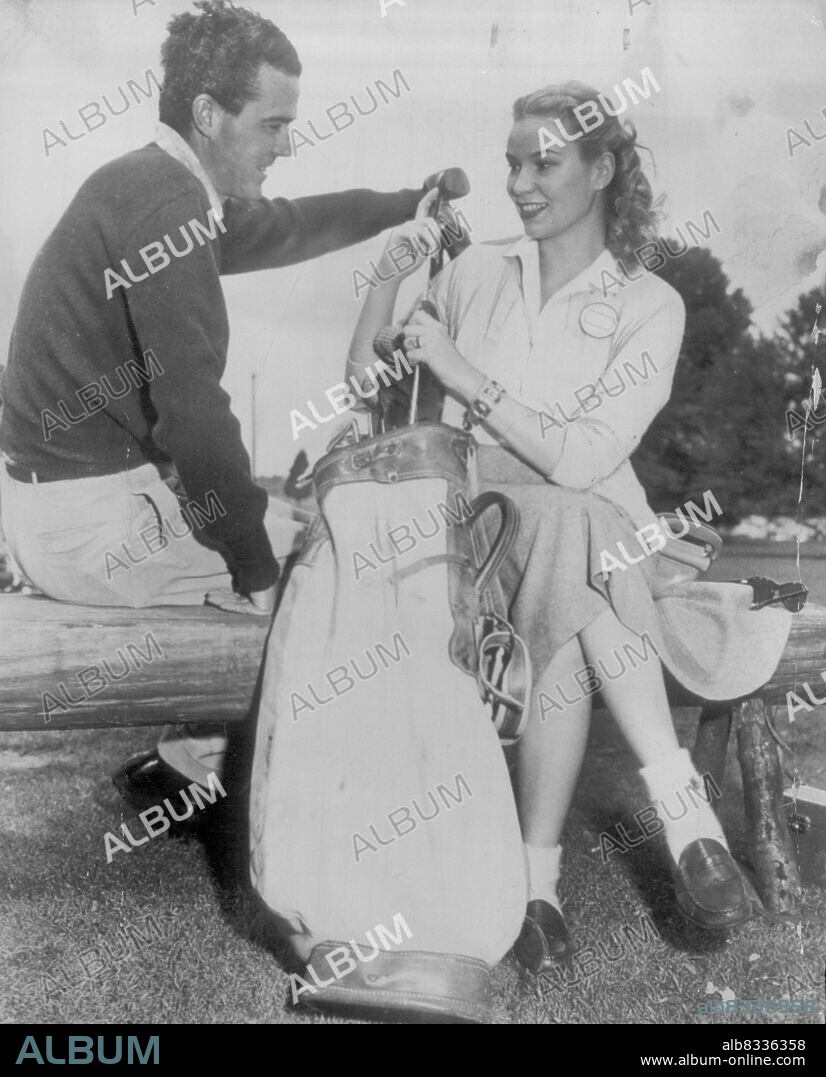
(486, 400)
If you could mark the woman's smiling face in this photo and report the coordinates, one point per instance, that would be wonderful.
(555, 192)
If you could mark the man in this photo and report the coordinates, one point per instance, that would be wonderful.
(113, 409)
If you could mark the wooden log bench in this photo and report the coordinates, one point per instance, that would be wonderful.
(77, 667)
(86, 667)
(802, 662)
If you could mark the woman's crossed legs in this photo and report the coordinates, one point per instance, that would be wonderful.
(709, 887)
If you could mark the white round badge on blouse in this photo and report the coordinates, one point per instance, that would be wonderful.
(598, 320)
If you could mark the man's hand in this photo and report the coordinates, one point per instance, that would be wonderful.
(410, 241)
(259, 603)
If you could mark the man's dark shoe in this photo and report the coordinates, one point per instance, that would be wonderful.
(709, 887)
(145, 780)
(543, 941)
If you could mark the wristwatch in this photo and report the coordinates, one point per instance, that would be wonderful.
(486, 400)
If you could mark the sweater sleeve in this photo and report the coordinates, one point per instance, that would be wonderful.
(178, 312)
(267, 234)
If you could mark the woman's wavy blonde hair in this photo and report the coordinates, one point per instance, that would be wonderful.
(632, 215)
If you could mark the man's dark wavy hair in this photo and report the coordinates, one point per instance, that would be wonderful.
(218, 52)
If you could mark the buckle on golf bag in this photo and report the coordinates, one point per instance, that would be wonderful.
(365, 457)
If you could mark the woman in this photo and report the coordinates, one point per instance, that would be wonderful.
(556, 428)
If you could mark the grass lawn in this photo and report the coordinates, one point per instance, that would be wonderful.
(168, 933)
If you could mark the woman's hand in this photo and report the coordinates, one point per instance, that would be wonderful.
(377, 309)
(410, 240)
(426, 341)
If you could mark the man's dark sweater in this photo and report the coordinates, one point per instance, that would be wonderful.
(69, 335)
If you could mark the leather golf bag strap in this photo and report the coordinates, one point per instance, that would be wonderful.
(504, 540)
(503, 667)
(422, 450)
(495, 557)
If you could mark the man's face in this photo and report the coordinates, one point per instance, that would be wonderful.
(242, 147)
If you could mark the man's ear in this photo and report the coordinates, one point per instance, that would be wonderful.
(205, 115)
(604, 168)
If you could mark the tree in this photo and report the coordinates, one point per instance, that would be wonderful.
(759, 471)
(684, 451)
(725, 427)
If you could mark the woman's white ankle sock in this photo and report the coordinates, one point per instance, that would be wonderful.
(679, 795)
(543, 873)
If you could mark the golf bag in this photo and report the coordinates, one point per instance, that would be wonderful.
(380, 796)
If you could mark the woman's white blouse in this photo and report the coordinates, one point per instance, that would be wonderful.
(597, 361)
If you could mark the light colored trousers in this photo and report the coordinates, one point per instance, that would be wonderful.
(122, 540)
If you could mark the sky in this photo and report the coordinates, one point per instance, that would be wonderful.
(734, 75)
